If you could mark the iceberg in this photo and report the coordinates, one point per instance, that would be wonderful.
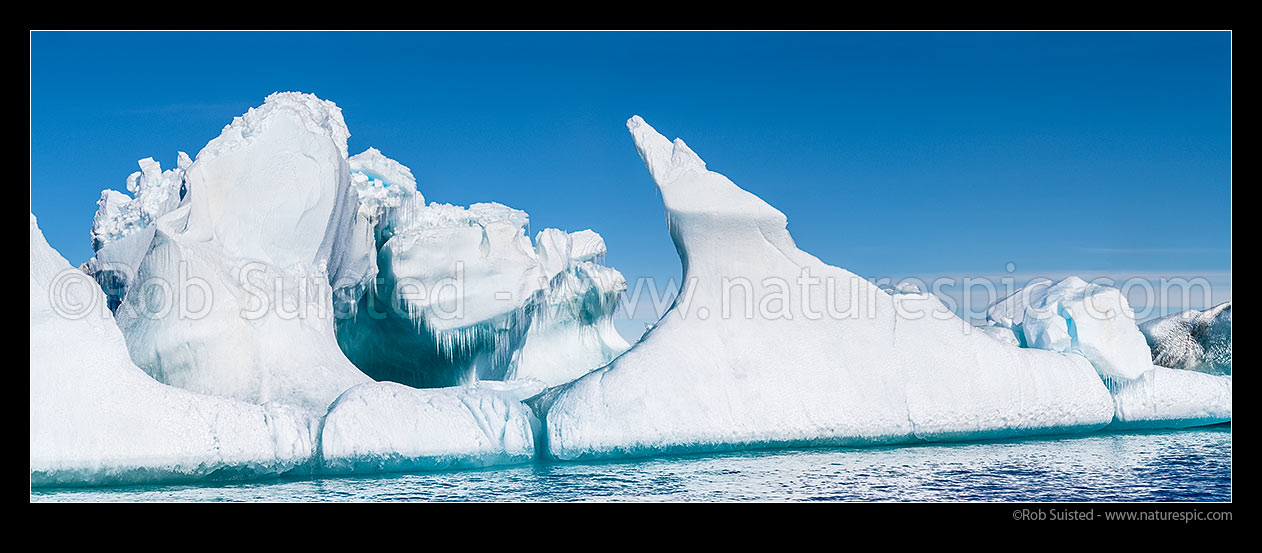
(273, 219)
(96, 418)
(1095, 321)
(767, 345)
(277, 306)
(1192, 340)
(236, 274)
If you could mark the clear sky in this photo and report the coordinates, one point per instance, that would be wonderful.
(892, 154)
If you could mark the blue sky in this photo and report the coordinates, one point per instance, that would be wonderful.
(891, 153)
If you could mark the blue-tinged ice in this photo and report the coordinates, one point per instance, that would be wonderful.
(231, 311)
(1093, 320)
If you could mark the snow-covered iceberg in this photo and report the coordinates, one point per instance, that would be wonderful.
(767, 345)
(274, 220)
(96, 418)
(1192, 340)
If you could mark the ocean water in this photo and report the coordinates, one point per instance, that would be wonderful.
(1182, 465)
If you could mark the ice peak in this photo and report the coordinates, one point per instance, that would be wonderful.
(665, 160)
(321, 117)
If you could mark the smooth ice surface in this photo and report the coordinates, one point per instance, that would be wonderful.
(1001, 333)
(1076, 316)
(845, 363)
(1173, 398)
(1192, 340)
(96, 418)
(385, 426)
(264, 239)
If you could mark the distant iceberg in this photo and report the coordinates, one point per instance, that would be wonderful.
(1192, 340)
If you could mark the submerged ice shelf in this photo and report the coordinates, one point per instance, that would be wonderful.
(508, 351)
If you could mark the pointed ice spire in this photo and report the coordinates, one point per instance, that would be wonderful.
(665, 160)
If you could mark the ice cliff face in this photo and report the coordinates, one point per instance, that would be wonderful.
(464, 295)
(572, 331)
(385, 426)
(1192, 340)
(747, 357)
